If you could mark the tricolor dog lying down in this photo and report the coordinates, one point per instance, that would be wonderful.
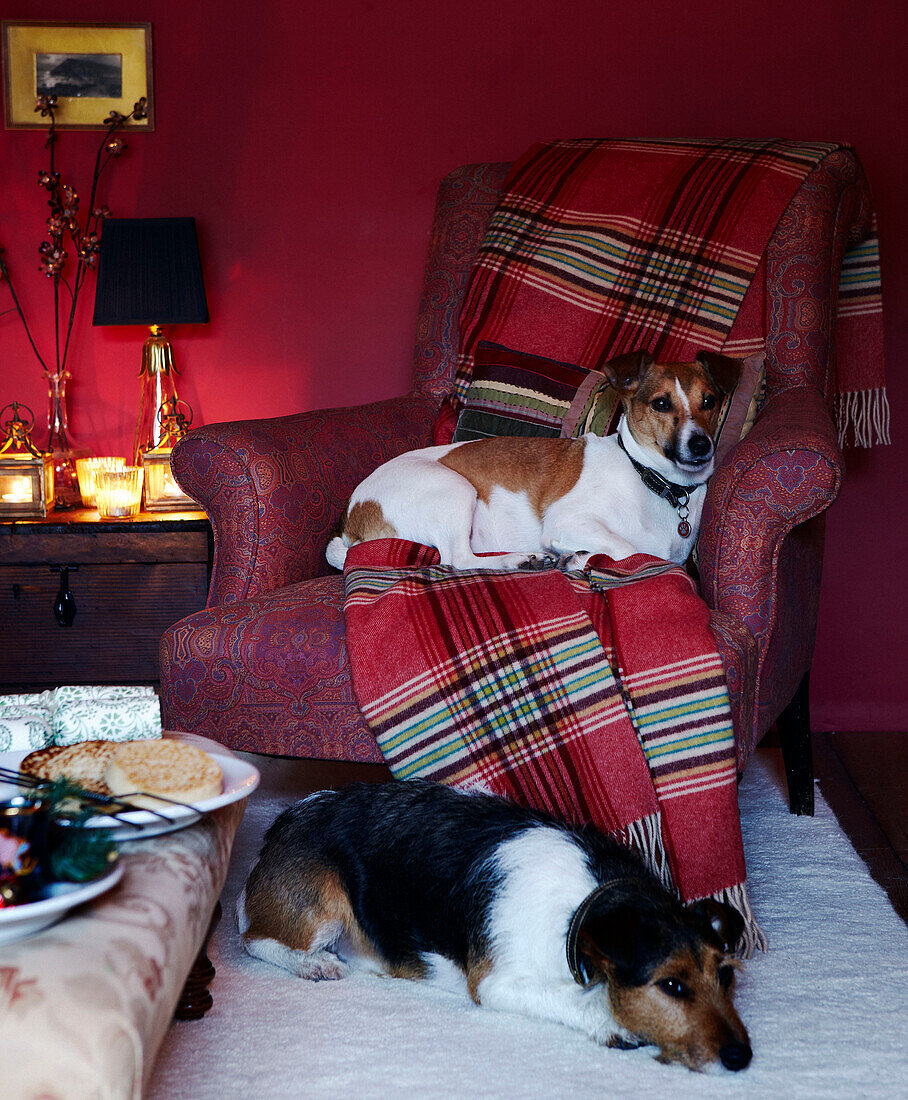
(638, 491)
(523, 912)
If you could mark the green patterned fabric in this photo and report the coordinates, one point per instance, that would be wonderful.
(129, 719)
(78, 712)
(24, 727)
(82, 693)
(32, 699)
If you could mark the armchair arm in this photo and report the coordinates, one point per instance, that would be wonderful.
(274, 489)
(785, 471)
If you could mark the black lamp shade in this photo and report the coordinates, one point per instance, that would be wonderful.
(150, 273)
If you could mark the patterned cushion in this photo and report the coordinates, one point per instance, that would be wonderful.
(740, 407)
(446, 421)
(517, 393)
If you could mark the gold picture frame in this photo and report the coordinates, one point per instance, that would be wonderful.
(103, 66)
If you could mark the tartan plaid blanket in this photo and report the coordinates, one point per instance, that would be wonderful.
(600, 247)
(596, 696)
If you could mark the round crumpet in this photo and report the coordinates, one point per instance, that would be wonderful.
(83, 764)
(173, 769)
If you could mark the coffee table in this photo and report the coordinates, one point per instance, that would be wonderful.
(85, 1004)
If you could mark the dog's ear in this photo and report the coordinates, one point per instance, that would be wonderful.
(617, 940)
(724, 372)
(725, 921)
(625, 371)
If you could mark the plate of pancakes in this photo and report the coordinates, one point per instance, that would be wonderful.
(172, 781)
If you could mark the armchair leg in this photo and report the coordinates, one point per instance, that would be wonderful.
(793, 728)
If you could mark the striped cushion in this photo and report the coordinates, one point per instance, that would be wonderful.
(516, 393)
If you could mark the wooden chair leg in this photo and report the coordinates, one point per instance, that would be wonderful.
(793, 728)
(195, 999)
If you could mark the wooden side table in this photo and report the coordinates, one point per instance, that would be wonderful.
(125, 580)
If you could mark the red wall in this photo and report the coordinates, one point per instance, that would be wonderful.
(307, 139)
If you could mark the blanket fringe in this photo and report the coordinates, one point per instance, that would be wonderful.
(645, 837)
(754, 938)
(866, 414)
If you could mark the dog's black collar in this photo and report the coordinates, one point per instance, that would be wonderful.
(577, 964)
(678, 496)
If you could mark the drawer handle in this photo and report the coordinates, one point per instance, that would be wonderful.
(65, 603)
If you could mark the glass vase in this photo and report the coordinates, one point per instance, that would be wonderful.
(60, 442)
(159, 389)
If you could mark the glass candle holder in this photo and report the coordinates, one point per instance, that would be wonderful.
(87, 470)
(119, 492)
(23, 845)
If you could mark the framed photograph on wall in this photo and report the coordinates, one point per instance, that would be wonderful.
(92, 69)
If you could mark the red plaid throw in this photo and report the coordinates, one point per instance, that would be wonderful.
(600, 247)
(570, 693)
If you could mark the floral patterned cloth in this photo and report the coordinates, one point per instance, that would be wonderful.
(23, 728)
(73, 713)
(85, 1004)
(137, 719)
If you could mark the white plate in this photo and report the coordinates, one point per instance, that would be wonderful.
(239, 781)
(24, 920)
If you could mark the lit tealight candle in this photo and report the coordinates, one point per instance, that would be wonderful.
(18, 490)
(171, 488)
(88, 471)
(119, 492)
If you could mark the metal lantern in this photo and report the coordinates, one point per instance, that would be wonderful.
(162, 493)
(26, 474)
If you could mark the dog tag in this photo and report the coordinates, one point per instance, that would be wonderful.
(684, 529)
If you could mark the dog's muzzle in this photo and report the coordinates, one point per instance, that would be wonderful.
(700, 447)
(735, 1056)
(691, 453)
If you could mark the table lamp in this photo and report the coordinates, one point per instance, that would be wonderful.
(150, 273)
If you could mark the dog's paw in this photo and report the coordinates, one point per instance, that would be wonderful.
(619, 1042)
(536, 564)
(321, 966)
(569, 563)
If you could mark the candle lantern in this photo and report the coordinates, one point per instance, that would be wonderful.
(162, 493)
(26, 474)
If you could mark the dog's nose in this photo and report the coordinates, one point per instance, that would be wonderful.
(700, 446)
(735, 1055)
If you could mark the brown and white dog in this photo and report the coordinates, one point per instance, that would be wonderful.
(530, 499)
(520, 911)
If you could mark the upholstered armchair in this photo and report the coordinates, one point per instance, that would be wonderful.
(264, 668)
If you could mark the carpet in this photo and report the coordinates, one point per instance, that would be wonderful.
(827, 1007)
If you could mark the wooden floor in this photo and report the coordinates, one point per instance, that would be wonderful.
(863, 777)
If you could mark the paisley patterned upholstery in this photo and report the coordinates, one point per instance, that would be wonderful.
(264, 667)
(270, 668)
(274, 489)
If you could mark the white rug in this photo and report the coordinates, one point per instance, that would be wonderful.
(827, 1007)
